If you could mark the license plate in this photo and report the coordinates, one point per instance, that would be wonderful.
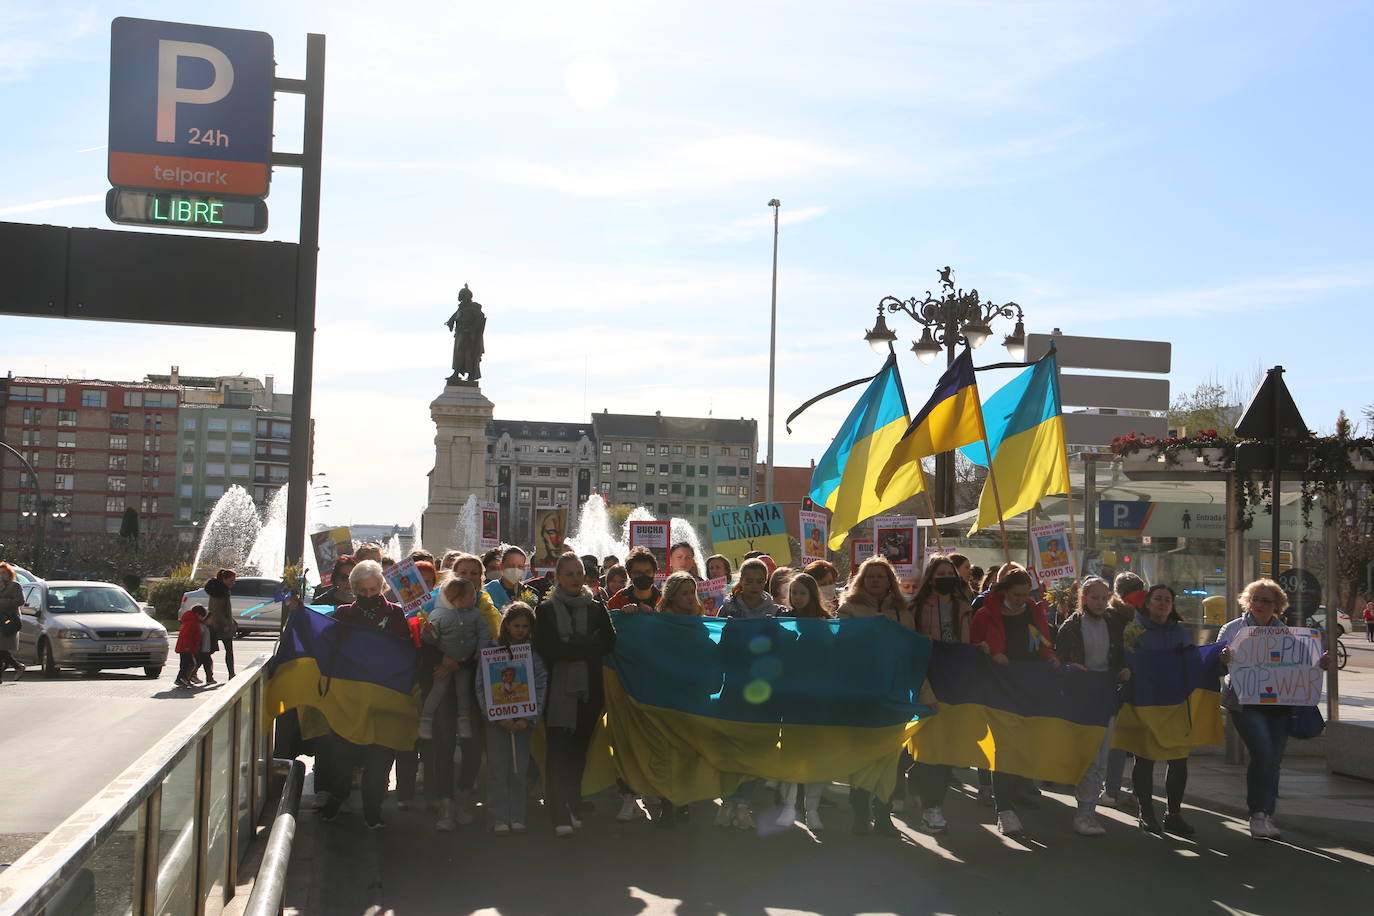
(129, 647)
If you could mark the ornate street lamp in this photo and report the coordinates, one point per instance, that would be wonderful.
(953, 318)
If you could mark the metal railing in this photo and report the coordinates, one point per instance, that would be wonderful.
(169, 833)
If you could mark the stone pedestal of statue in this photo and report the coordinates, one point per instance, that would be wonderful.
(460, 416)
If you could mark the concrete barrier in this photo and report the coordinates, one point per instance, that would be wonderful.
(1350, 749)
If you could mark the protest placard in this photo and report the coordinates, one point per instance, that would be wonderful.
(508, 682)
(815, 531)
(1052, 557)
(550, 528)
(408, 586)
(860, 549)
(894, 537)
(653, 537)
(329, 545)
(737, 531)
(489, 525)
(1277, 666)
(711, 594)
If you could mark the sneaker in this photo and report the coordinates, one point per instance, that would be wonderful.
(500, 828)
(517, 827)
(563, 831)
(1274, 833)
(724, 814)
(180, 682)
(985, 796)
(630, 809)
(1009, 824)
(1260, 829)
(378, 824)
(883, 826)
(787, 816)
(813, 822)
(209, 681)
(744, 818)
(934, 820)
(444, 823)
(574, 820)
(1085, 824)
(1175, 824)
(466, 809)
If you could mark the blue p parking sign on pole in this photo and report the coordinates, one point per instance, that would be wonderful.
(190, 108)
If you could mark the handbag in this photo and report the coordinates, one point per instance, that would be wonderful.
(10, 625)
(1305, 722)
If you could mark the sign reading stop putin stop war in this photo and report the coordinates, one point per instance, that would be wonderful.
(1277, 666)
(190, 107)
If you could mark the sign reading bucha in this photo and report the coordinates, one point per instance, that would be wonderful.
(508, 685)
(653, 537)
(489, 527)
(736, 531)
(1277, 666)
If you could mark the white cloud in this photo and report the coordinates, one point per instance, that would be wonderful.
(37, 206)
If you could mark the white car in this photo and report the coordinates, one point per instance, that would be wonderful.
(256, 602)
(87, 626)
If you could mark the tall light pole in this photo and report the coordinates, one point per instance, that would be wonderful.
(957, 317)
(772, 356)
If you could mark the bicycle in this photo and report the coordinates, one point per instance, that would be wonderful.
(1342, 654)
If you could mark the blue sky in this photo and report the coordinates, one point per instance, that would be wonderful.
(599, 174)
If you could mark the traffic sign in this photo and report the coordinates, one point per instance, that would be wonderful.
(178, 210)
(190, 107)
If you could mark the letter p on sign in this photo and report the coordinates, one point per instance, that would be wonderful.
(169, 94)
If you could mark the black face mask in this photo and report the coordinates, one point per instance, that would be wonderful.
(945, 585)
(643, 583)
(370, 604)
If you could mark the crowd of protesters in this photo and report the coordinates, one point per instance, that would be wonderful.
(565, 614)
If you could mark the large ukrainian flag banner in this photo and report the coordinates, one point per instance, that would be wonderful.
(1024, 718)
(1025, 432)
(949, 420)
(354, 681)
(846, 477)
(696, 704)
(1174, 702)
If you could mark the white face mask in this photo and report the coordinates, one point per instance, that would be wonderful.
(513, 574)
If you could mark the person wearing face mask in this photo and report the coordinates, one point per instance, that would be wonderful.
(1264, 729)
(512, 586)
(826, 575)
(369, 609)
(640, 596)
(572, 633)
(944, 613)
(749, 595)
(1015, 629)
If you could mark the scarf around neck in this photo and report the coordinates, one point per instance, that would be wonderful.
(569, 683)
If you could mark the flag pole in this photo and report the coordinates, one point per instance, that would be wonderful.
(992, 479)
(930, 507)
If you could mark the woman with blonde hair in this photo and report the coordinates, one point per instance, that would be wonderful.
(680, 595)
(875, 591)
(1264, 729)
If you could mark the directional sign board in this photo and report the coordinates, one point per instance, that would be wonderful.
(190, 108)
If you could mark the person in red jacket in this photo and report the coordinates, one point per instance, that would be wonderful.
(188, 646)
(1015, 629)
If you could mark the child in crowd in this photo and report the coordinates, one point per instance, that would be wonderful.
(453, 628)
(189, 644)
(508, 740)
(1091, 640)
(804, 602)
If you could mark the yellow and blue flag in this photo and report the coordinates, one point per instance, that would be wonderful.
(1025, 432)
(357, 682)
(845, 480)
(696, 704)
(1174, 702)
(1024, 718)
(949, 420)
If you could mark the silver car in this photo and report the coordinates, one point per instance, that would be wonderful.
(256, 603)
(88, 626)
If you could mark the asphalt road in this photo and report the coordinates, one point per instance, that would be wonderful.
(63, 740)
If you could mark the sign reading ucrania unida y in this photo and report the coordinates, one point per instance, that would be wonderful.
(737, 531)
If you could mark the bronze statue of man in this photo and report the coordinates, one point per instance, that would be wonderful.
(468, 325)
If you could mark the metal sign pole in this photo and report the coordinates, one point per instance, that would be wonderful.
(307, 265)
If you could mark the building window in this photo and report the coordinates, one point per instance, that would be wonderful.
(240, 447)
(217, 425)
(676, 488)
(152, 462)
(626, 447)
(119, 421)
(628, 467)
(605, 448)
(93, 397)
(724, 470)
(526, 470)
(561, 472)
(605, 467)
(743, 491)
(725, 491)
(242, 426)
(66, 440)
(188, 469)
(114, 504)
(744, 452)
(702, 470)
(189, 423)
(116, 483)
(184, 513)
(677, 469)
(151, 483)
(238, 469)
(119, 443)
(152, 421)
(691, 451)
(545, 472)
(26, 393)
(57, 395)
(724, 450)
(663, 470)
(66, 418)
(214, 491)
(562, 497)
(651, 450)
(214, 469)
(677, 450)
(148, 505)
(30, 437)
(186, 491)
(62, 481)
(626, 486)
(215, 445)
(119, 462)
(662, 508)
(691, 470)
(32, 458)
(66, 460)
(152, 443)
(158, 399)
(649, 489)
(691, 489)
(133, 399)
(523, 494)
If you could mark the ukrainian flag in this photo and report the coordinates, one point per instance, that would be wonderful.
(696, 704)
(354, 681)
(1174, 702)
(949, 420)
(845, 479)
(1025, 432)
(1024, 718)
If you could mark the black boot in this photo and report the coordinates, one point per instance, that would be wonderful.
(1175, 824)
(1148, 818)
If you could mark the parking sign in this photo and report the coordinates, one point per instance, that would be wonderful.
(190, 107)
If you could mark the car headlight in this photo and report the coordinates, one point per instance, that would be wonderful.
(73, 634)
(156, 634)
